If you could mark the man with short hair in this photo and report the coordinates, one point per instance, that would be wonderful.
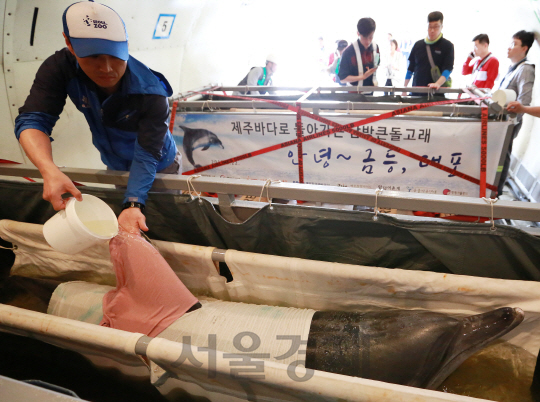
(519, 78)
(360, 60)
(259, 76)
(481, 63)
(124, 102)
(432, 59)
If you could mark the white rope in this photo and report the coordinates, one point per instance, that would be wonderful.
(491, 201)
(500, 114)
(376, 210)
(349, 103)
(266, 185)
(190, 186)
(10, 248)
(253, 105)
(358, 88)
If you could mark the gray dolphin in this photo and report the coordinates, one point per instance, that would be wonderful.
(415, 348)
(407, 347)
(196, 138)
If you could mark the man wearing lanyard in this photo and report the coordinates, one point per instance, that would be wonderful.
(124, 102)
(432, 59)
(360, 60)
(259, 76)
(485, 67)
(519, 78)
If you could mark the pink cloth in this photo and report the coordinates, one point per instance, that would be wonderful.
(148, 295)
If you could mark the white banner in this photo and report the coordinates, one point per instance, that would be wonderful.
(341, 159)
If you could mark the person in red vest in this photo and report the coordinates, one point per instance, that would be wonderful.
(481, 63)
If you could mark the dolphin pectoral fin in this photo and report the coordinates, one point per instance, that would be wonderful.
(477, 331)
(205, 147)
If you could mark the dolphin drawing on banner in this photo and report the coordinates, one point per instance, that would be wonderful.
(198, 138)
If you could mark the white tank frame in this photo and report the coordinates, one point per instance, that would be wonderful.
(227, 189)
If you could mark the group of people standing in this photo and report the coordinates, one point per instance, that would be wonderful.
(125, 102)
(431, 63)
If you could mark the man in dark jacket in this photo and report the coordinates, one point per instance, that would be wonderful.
(442, 54)
(360, 60)
(124, 102)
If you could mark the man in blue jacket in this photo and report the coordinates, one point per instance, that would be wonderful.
(124, 102)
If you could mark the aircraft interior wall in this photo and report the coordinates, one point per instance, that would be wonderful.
(24, 53)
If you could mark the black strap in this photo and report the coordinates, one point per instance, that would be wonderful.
(511, 70)
(483, 62)
(430, 57)
(132, 204)
(196, 306)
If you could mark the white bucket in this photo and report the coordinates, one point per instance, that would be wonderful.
(503, 96)
(81, 225)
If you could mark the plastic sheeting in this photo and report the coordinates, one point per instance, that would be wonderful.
(319, 285)
(81, 301)
(35, 258)
(350, 237)
(278, 280)
(261, 324)
(275, 384)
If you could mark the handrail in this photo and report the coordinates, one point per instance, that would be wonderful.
(516, 210)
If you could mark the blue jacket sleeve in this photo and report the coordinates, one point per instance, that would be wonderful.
(141, 175)
(148, 151)
(40, 121)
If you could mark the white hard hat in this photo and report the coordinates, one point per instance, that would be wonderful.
(272, 57)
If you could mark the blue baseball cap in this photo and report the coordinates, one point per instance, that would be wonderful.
(94, 28)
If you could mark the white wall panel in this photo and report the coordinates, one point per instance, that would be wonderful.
(72, 144)
(9, 148)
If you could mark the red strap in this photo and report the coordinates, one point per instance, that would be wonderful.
(300, 148)
(173, 115)
(483, 152)
(348, 128)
